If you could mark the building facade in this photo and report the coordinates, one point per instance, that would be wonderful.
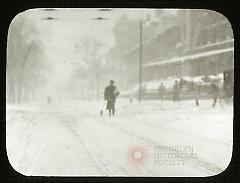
(200, 43)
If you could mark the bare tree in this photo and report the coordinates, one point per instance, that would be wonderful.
(25, 60)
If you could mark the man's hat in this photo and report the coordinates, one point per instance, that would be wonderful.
(111, 81)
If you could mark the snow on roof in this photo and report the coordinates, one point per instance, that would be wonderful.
(154, 84)
(216, 77)
(169, 82)
(197, 79)
(214, 44)
(182, 59)
(187, 78)
(220, 75)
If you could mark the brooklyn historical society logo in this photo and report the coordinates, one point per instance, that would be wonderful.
(137, 154)
(161, 155)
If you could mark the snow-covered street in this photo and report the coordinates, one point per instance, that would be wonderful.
(147, 139)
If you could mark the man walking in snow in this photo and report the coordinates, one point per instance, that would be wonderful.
(110, 94)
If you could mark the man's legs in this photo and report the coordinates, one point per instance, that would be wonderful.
(109, 107)
(113, 108)
(110, 112)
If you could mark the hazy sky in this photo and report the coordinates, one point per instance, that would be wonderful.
(73, 24)
(61, 36)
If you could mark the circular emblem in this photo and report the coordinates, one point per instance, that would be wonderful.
(137, 154)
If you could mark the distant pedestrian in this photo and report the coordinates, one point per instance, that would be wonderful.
(196, 92)
(110, 94)
(181, 83)
(161, 91)
(176, 91)
(49, 100)
(228, 91)
(215, 91)
(130, 99)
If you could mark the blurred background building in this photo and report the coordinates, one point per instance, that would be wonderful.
(188, 43)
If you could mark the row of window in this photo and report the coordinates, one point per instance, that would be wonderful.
(202, 66)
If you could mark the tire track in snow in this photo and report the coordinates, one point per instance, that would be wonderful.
(200, 163)
(80, 139)
(119, 166)
(185, 132)
(104, 170)
(24, 162)
(147, 172)
(40, 150)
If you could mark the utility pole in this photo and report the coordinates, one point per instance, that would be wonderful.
(140, 64)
